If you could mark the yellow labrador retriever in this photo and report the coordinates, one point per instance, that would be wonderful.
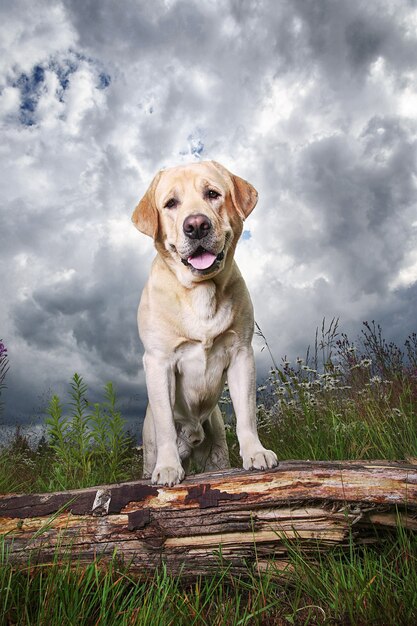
(196, 322)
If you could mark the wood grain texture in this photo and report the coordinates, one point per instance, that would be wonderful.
(231, 518)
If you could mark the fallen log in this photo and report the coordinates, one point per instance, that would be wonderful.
(232, 518)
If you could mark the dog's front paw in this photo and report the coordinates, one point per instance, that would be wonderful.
(168, 476)
(260, 458)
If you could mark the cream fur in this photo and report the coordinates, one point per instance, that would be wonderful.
(196, 327)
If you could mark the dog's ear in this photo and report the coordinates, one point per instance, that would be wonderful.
(145, 216)
(244, 195)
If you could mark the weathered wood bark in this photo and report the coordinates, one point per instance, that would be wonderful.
(232, 517)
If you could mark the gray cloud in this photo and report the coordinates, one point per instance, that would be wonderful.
(313, 102)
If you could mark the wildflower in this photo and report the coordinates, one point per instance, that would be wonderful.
(3, 349)
(375, 380)
(299, 361)
(366, 363)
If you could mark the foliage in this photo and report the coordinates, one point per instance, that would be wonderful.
(90, 444)
(346, 400)
(370, 585)
(33, 463)
(343, 400)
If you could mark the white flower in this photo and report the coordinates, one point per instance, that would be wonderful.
(376, 380)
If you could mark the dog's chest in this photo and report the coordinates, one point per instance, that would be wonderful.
(200, 375)
(205, 316)
(203, 360)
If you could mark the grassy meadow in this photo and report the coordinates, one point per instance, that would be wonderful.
(342, 400)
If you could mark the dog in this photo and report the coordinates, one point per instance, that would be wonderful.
(196, 323)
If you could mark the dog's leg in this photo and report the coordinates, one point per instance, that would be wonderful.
(212, 454)
(218, 457)
(160, 382)
(149, 444)
(242, 385)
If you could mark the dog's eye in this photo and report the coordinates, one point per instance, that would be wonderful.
(171, 203)
(212, 194)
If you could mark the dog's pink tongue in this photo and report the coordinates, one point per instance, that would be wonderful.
(202, 261)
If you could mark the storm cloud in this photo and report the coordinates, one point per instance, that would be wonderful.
(314, 102)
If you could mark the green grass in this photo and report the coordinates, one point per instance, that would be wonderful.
(343, 401)
(85, 445)
(364, 586)
(346, 401)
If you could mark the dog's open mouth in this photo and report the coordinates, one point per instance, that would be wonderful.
(202, 259)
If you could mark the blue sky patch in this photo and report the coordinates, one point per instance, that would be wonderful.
(104, 80)
(63, 71)
(31, 85)
(195, 143)
(246, 235)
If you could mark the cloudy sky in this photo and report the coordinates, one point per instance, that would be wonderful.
(312, 101)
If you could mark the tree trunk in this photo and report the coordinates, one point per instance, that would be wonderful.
(231, 518)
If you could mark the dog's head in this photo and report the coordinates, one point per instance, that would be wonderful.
(195, 215)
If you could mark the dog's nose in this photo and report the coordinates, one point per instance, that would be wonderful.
(196, 226)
